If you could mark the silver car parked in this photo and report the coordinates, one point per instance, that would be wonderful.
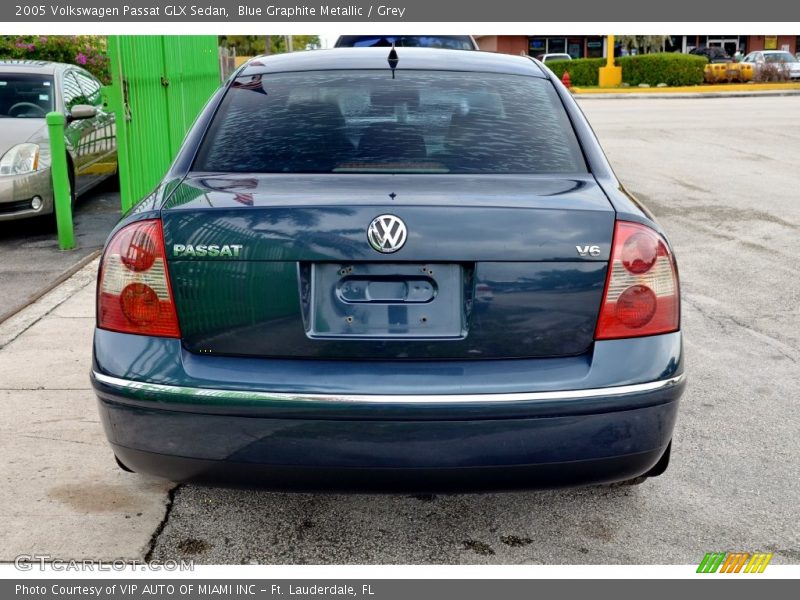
(784, 60)
(28, 91)
(553, 57)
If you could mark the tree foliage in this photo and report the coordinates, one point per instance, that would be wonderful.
(88, 51)
(252, 45)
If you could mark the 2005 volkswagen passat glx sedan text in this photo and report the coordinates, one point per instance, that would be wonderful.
(390, 269)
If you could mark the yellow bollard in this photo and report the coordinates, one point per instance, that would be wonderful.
(610, 75)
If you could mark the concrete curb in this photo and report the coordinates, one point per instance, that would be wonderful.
(65, 497)
(681, 95)
(52, 285)
(62, 289)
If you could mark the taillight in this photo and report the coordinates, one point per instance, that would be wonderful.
(134, 295)
(641, 295)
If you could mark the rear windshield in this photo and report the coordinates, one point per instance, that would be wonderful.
(24, 96)
(367, 122)
(452, 42)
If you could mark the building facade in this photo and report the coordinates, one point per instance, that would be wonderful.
(592, 46)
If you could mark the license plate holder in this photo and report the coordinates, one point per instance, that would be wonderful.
(386, 301)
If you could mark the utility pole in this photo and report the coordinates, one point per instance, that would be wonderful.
(267, 45)
(289, 44)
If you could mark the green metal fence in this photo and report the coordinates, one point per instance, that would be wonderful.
(160, 83)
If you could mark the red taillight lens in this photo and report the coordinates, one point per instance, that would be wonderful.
(139, 248)
(636, 306)
(639, 253)
(133, 293)
(641, 295)
(139, 304)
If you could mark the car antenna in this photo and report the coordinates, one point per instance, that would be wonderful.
(393, 60)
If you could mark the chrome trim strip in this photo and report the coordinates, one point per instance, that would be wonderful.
(434, 399)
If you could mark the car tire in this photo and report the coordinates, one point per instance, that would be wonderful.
(50, 221)
(71, 171)
(655, 471)
(630, 482)
(662, 464)
(122, 465)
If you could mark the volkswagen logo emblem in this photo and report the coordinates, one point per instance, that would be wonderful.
(387, 233)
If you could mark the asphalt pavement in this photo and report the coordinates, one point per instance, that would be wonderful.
(32, 262)
(720, 175)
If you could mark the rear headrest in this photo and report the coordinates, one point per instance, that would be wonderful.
(386, 142)
(315, 113)
(391, 95)
(474, 124)
(314, 136)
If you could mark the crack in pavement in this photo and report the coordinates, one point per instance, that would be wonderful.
(726, 320)
(161, 526)
(691, 223)
(52, 439)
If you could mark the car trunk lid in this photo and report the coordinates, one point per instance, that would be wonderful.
(492, 266)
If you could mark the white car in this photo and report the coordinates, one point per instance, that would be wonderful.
(785, 59)
(545, 58)
(28, 91)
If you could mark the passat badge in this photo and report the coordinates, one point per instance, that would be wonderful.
(387, 233)
(207, 250)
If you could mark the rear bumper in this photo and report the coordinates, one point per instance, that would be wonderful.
(468, 479)
(315, 454)
(315, 433)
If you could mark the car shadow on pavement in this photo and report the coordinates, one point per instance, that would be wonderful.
(235, 526)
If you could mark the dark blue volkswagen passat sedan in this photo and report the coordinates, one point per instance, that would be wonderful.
(412, 270)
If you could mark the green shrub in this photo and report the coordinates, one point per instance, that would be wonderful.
(670, 68)
(582, 71)
(88, 51)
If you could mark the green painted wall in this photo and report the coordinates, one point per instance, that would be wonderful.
(159, 85)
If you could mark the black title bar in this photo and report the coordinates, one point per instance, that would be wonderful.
(396, 11)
